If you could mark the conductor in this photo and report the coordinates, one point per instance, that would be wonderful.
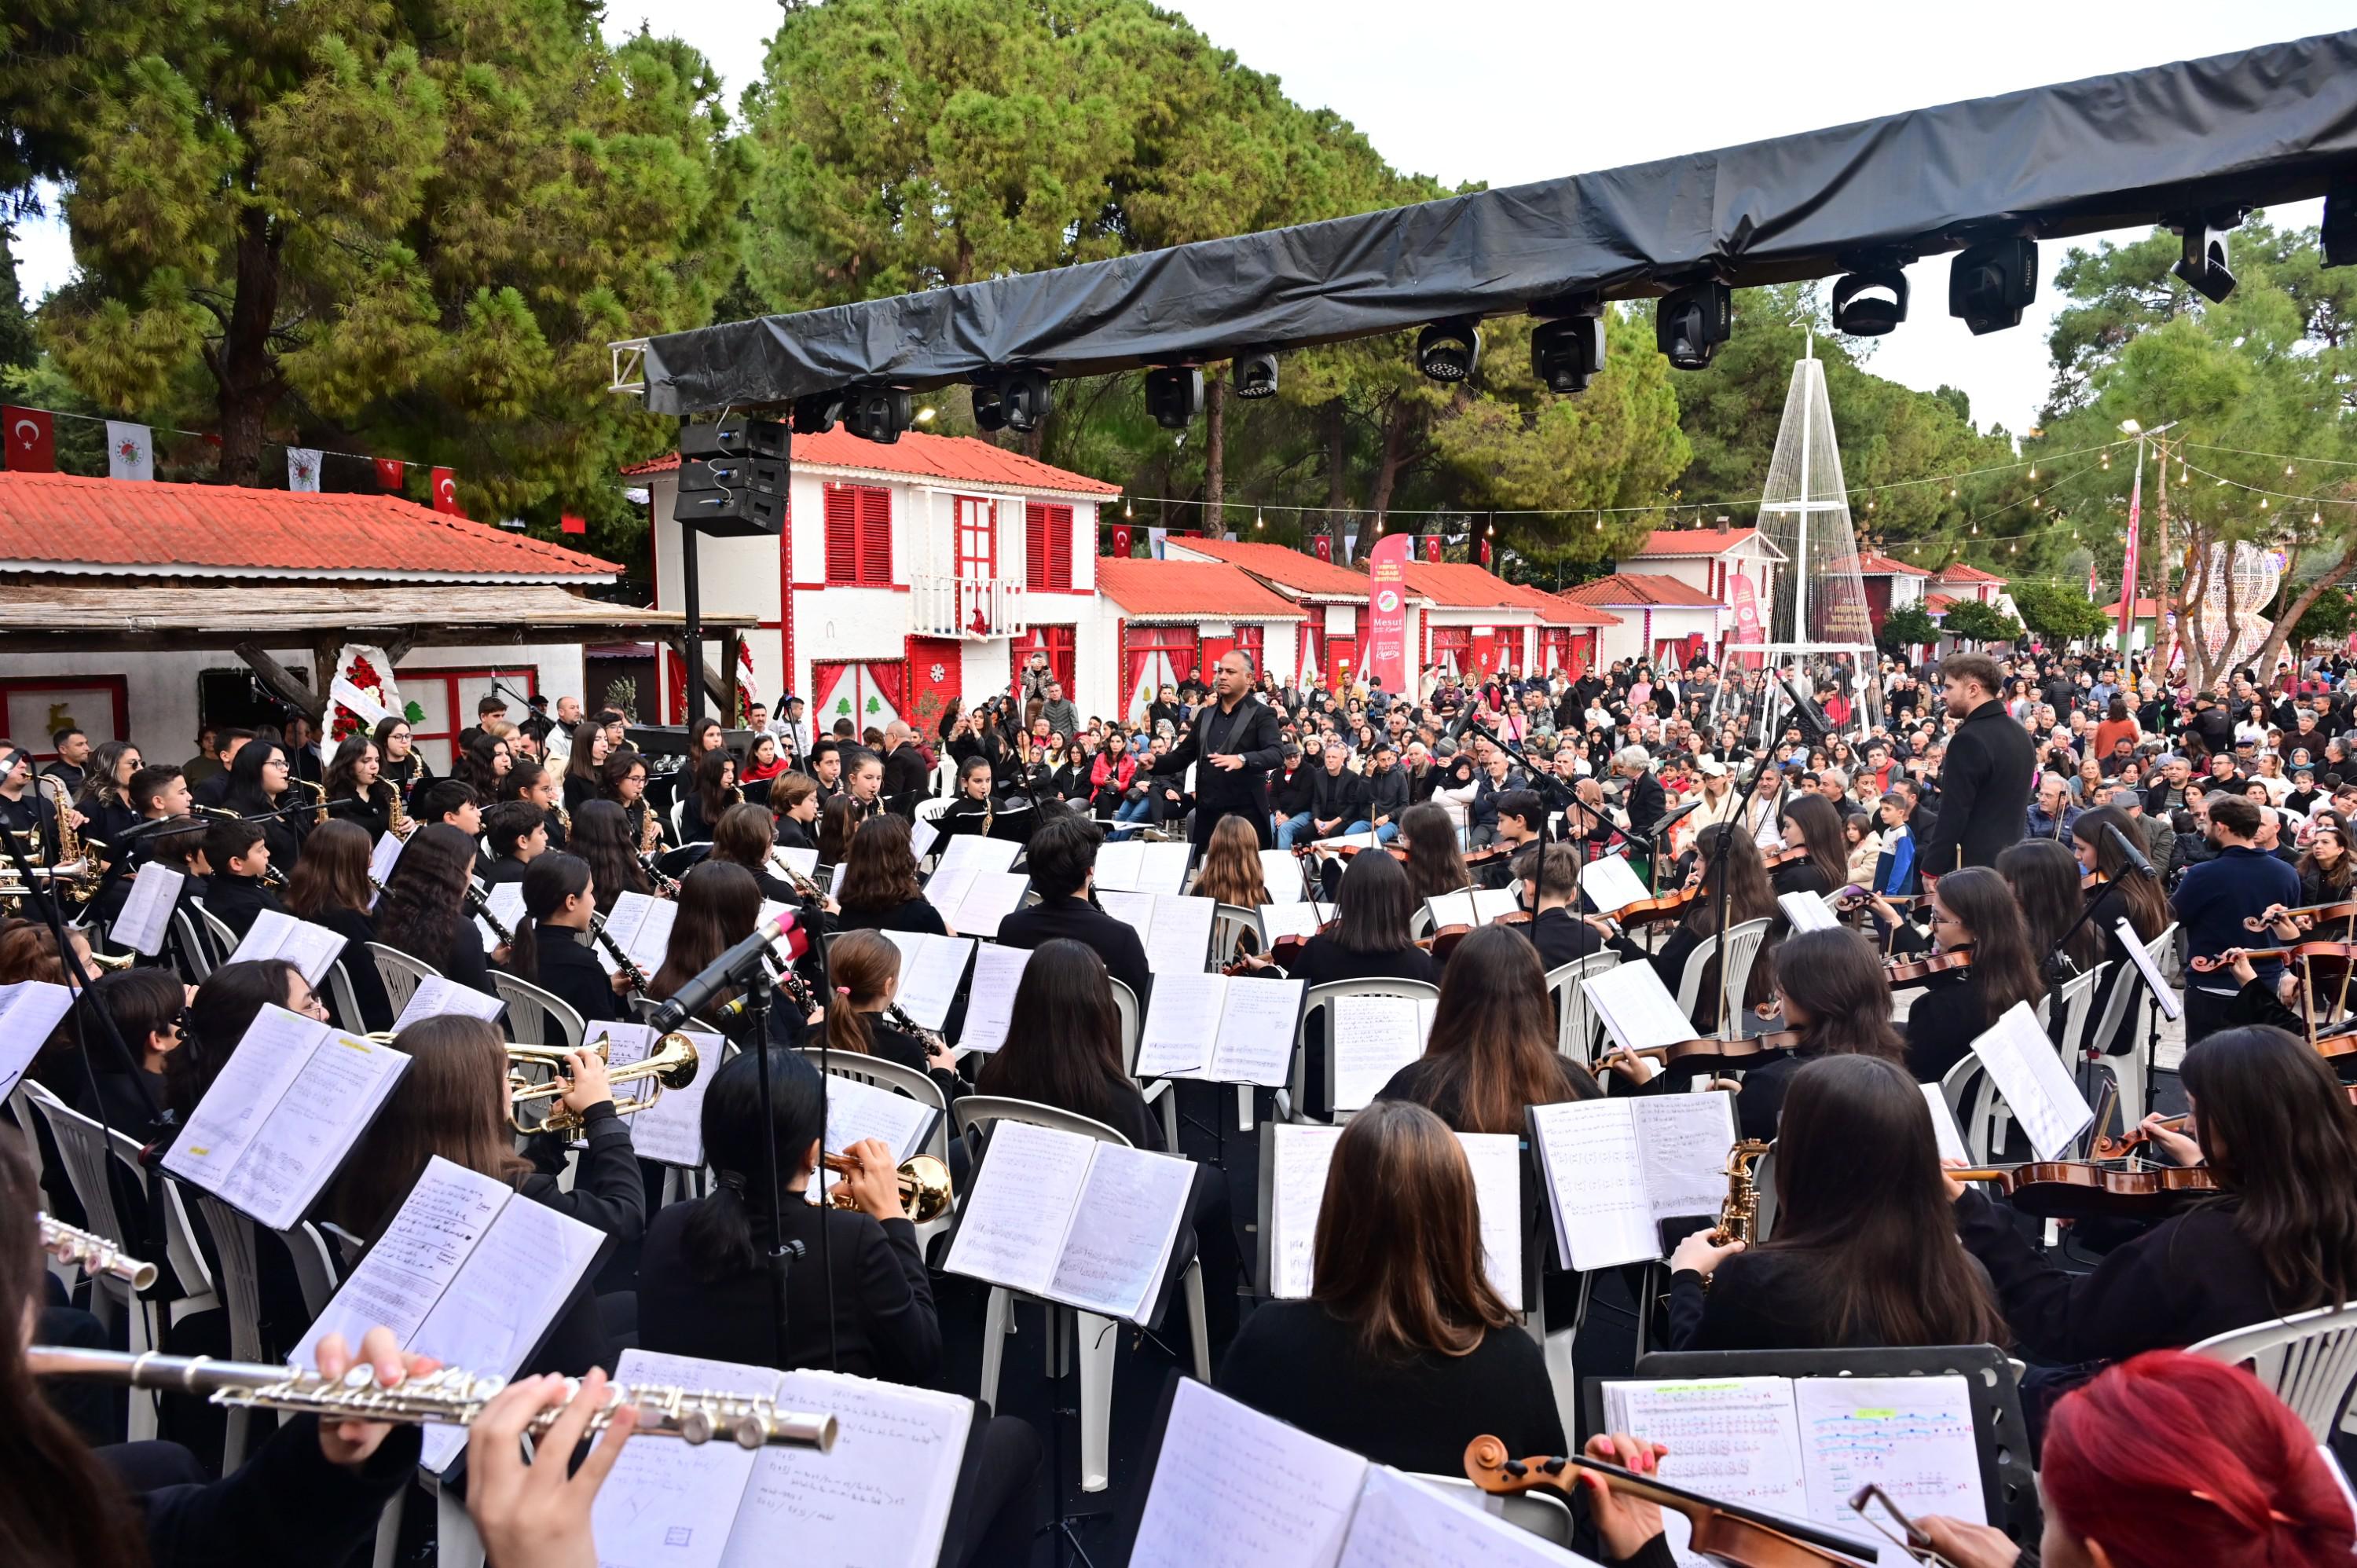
(1235, 740)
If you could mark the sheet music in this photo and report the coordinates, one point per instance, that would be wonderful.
(989, 898)
(1611, 884)
(1636, 1007)
(945, 890)
(438, 993)
(1119, 1243)
(668, 1503)
(29, 1012)
(1234, 1488)
(1683, 1141)
(641, 926)
(1911, 1436)
(1290, 919)
(400, 1278)
(1369, 1039)
(974, 852)
(923, 835)
(275, 934)
(381, 859)
(1403, 1522)
(801, 862)
(1134, 911)
(1451, 909)
(834, 880)
(1135, 866)
(505, 904)
(1590, 1159)
(990, 1000)
(856, 1110)
(1182, 1023)
(1944, 1130)
(1180, 940)
(274, 1047)
(1496, 1160)
(502, 1301)
(147, 912)
(1280, 873)
(1011, 1224)
(670, 1131)
(261, 938)
(2023, 1063)
(932, 967)
(313, 1128)
(1733, 1439)
(1257, 1030)
(1807, 912)
(2170, 1006)
(880, 1500)
(1490, 903)
(1297, 1194)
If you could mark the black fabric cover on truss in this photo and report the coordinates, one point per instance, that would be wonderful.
(2268, 126)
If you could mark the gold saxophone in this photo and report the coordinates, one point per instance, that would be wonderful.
(396, 818)
(649, 830)
(1739, 1213)
(78, 883)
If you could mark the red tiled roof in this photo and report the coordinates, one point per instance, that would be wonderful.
(1280, 564)
(1937, 604)
(2145, 609)
(1957, 572)
(1460, 585)
(1188, 590)
(1694, 541)
(1874, 563)
(1641, 588)
(63, 523)
(921, 454)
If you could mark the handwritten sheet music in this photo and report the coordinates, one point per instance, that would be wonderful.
(1807, 912)
(1733, 1439)
(29, 1013)
(1234, 1488)
(1496, 1161)
(1011, 1224)
(990, 1000)
(671, 1504)
(274, 1047)
(1280, 873)
(313, 1128)
(1636, 1008)
(1290, 920)
(1594, 1168)
(438, 995)
(147, 912)
(670, 1131)
(1611, 884)
(1298, 1164)
(1118, 1245)
(932, 969)
(504, 903)
(2023, 1063)
(1404, 1522)
(1911, 1436)
(1181, 1022)
(1369, 1039)
(1256, 1030)
(1684, 1139)
(880, 1500)
(398, 1280)
(276, 934)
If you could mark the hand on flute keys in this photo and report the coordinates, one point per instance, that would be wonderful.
(350, 1442)
(536, 1515)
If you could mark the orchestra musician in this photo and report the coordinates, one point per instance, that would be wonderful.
(239, 852)
(624, 782)
(586, 777)
(744, 836)
(104, 799)
(1519, 812)
(1492, 1055)
(1972, 911)
(2215, 897)
(838, 819)
(423, 911)
(972, 810)
(1813, 825)
(1748, 899)
(865, 968)
(354, 790)
(517, 831)
(536, 786)
(551, 945)
(880, 891)
(719, 905)
(1231, 873)
(862, 782)
(2115, 890)
(330, 887)
(793, 800)
(1831, 990)
(1436, 863)
(602, 840)
(1550, 879)
(714, 791)
(398, 762)
(258, 786)
(1063, 858)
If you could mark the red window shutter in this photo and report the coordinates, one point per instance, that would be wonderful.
(842, 535)
(1059, 548)
(1035, 546)
(876, 538)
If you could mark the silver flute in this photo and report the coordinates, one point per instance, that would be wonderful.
(94, 1255)
(449, 1397)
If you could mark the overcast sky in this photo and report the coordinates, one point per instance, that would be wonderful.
(1510, 91)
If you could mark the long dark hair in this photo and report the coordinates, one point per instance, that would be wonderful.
(718, 1235)
(1749, 896)
(548, 882)
(1836, 981)
(98, 781)
(719, 904)
(880, 873)
(580, 762)
(838, 819)
(244, 793)
(478, 764)
(2281, 1135)
(711, 797)
(1063, 1037)
(2148, 908)
(448, 1102)
(338, 780)
(1861, 1209)
(744, 834)
(2004, 970)
(1434, 863)
(424, 903)
(1821, 832)
(2333, 879)
(1493, 1043)
(1398, 1249)
(412, 765)
(223, 1010)
(68, 1510)
(333, 873)
(601, 837)
(1374, 906)
(2045, 878)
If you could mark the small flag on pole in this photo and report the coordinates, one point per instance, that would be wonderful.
(389, 472)
(303, 468)
(445, 492)
(129, 454)
(32, 440)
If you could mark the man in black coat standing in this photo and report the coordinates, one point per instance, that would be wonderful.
(1984, 784)
(1235, 743)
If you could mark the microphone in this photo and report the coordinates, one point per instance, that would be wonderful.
(720, 973)
(2134, 855)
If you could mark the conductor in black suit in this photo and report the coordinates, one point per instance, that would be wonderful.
(1984, 786)
(1235, 742)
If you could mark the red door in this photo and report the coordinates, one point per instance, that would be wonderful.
(1215, 649)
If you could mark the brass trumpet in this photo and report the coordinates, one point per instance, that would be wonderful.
(924, 1185)
(673, 1065)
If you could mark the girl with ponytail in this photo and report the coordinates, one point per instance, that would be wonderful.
(552, 948)
(866, 971)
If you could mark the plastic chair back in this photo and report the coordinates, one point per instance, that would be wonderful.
(2310, 1359)
(1542, 1514)
(343, 1003)
(975, 1112)
(401, 973)
(1313, 1003)
(1229, 924)
(1574, 1020)
(538, 1017)
(195, 955)
(1742, 948)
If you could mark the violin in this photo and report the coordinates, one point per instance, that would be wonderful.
(2108, 1147)
(1915, 971)
(1668, 906)
(1708, 1049)
(2312, 913)
(1720, 1530)
(2301, 951)
(1785, 857)
(1284, 953)
(1443, 942)
(2081, 1190)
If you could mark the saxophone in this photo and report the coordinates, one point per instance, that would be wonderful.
(1740, 1211)
(396, 819)
(72, 875)
(649, 830)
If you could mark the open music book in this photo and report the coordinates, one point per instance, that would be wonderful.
(1219, 1028)
(381, 859)
(438, 993)
(470, 1272)
(879, 1499)
(2026, 1068)
(856, 1110)
(923, 837)
(1476, 907)
(1638, 1010)
(990, 1000)
(1135, 866)
(1614, 1169)
(1296, 1191)
(1058, 1215)
(31, 1011)
(1369, 1039)
(1176, 932)
(284, 1115)
(148, 911)
(670, 1131)
(971, 852)
(1807, 912)
(803, 863)
(1611, 884)
(972, 902)
(1802, 1446)
(932, 969)
(1234, 1488)
(275, 934)
(640, 927)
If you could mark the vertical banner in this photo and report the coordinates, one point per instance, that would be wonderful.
(130, 452)
(1386, 650)
(445, 492)
(32, 440)
(1121, 542)
(1155, 538)
(1323, 545)
(1746, 612)
(303, 470)
(1485, 550)
(2128, 567)
(1432, 549)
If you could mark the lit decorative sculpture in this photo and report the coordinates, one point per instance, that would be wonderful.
(2254, 573)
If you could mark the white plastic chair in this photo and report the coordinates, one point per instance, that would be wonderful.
(401, 974)
(343, 1002)
(2077, 999)
(241, 1295)
(195, 953)
(1971, 1095)
(1229, 924)
(534, 1014)
(918, 1086)
(2310, 1359)
(1161, 1093)
(1743, 941)
(224, 940)
(1097, 1336)
(1576, 1022)
(1314, 1002)
(1542, 1514)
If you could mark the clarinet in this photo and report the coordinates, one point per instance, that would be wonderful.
(480, 906)
(638, 976)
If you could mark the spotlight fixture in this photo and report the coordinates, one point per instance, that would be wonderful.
(1174, 396)
(1567, 353)
(1018, 401)
(878, 413)
(1450, 350)
(2341, 222)
(1871, 303)
(1690, 324)
(815, 414)
(1253, 376)
(1989, 285)
(2202, 262)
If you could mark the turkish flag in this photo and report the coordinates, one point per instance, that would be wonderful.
(1485, 552)
(32, 440)
(445, 492)
(389, 471)
(1120, 542)
(568, 524)
(1324, 544)
(1432, 549)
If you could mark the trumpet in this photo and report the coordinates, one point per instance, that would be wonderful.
(449, 1397)
(673, 1065)
(924, 1184)
(94, 1255)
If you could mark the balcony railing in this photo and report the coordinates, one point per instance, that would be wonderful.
(973, 607)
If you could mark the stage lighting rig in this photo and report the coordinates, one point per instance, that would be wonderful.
(1016, 400)
(1567, 351)
(1690, 324)
(815, 414)
(1988, 285)
(879, 413)
(1255, 375)
(2201, 264)
(1870, 302)
(1450, 350)
(1174, 396)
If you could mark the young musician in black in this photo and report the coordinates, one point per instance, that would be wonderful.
(1972, 911)
(1812, 827)
(518, 832)
(793, 800)
(1062, 856)
(355, 792)
(330, 887)
(258, 786)
(601, 838)
(1518, 816)
(235, 893)
(973, 810)
(1748, 897)
(880, 891)
(423, 911)
(552, 948)
(1492, 1055)
(865, 968)
(1550, 878)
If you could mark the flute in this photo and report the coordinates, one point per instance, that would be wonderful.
(449, 1397)
(94, 1255)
